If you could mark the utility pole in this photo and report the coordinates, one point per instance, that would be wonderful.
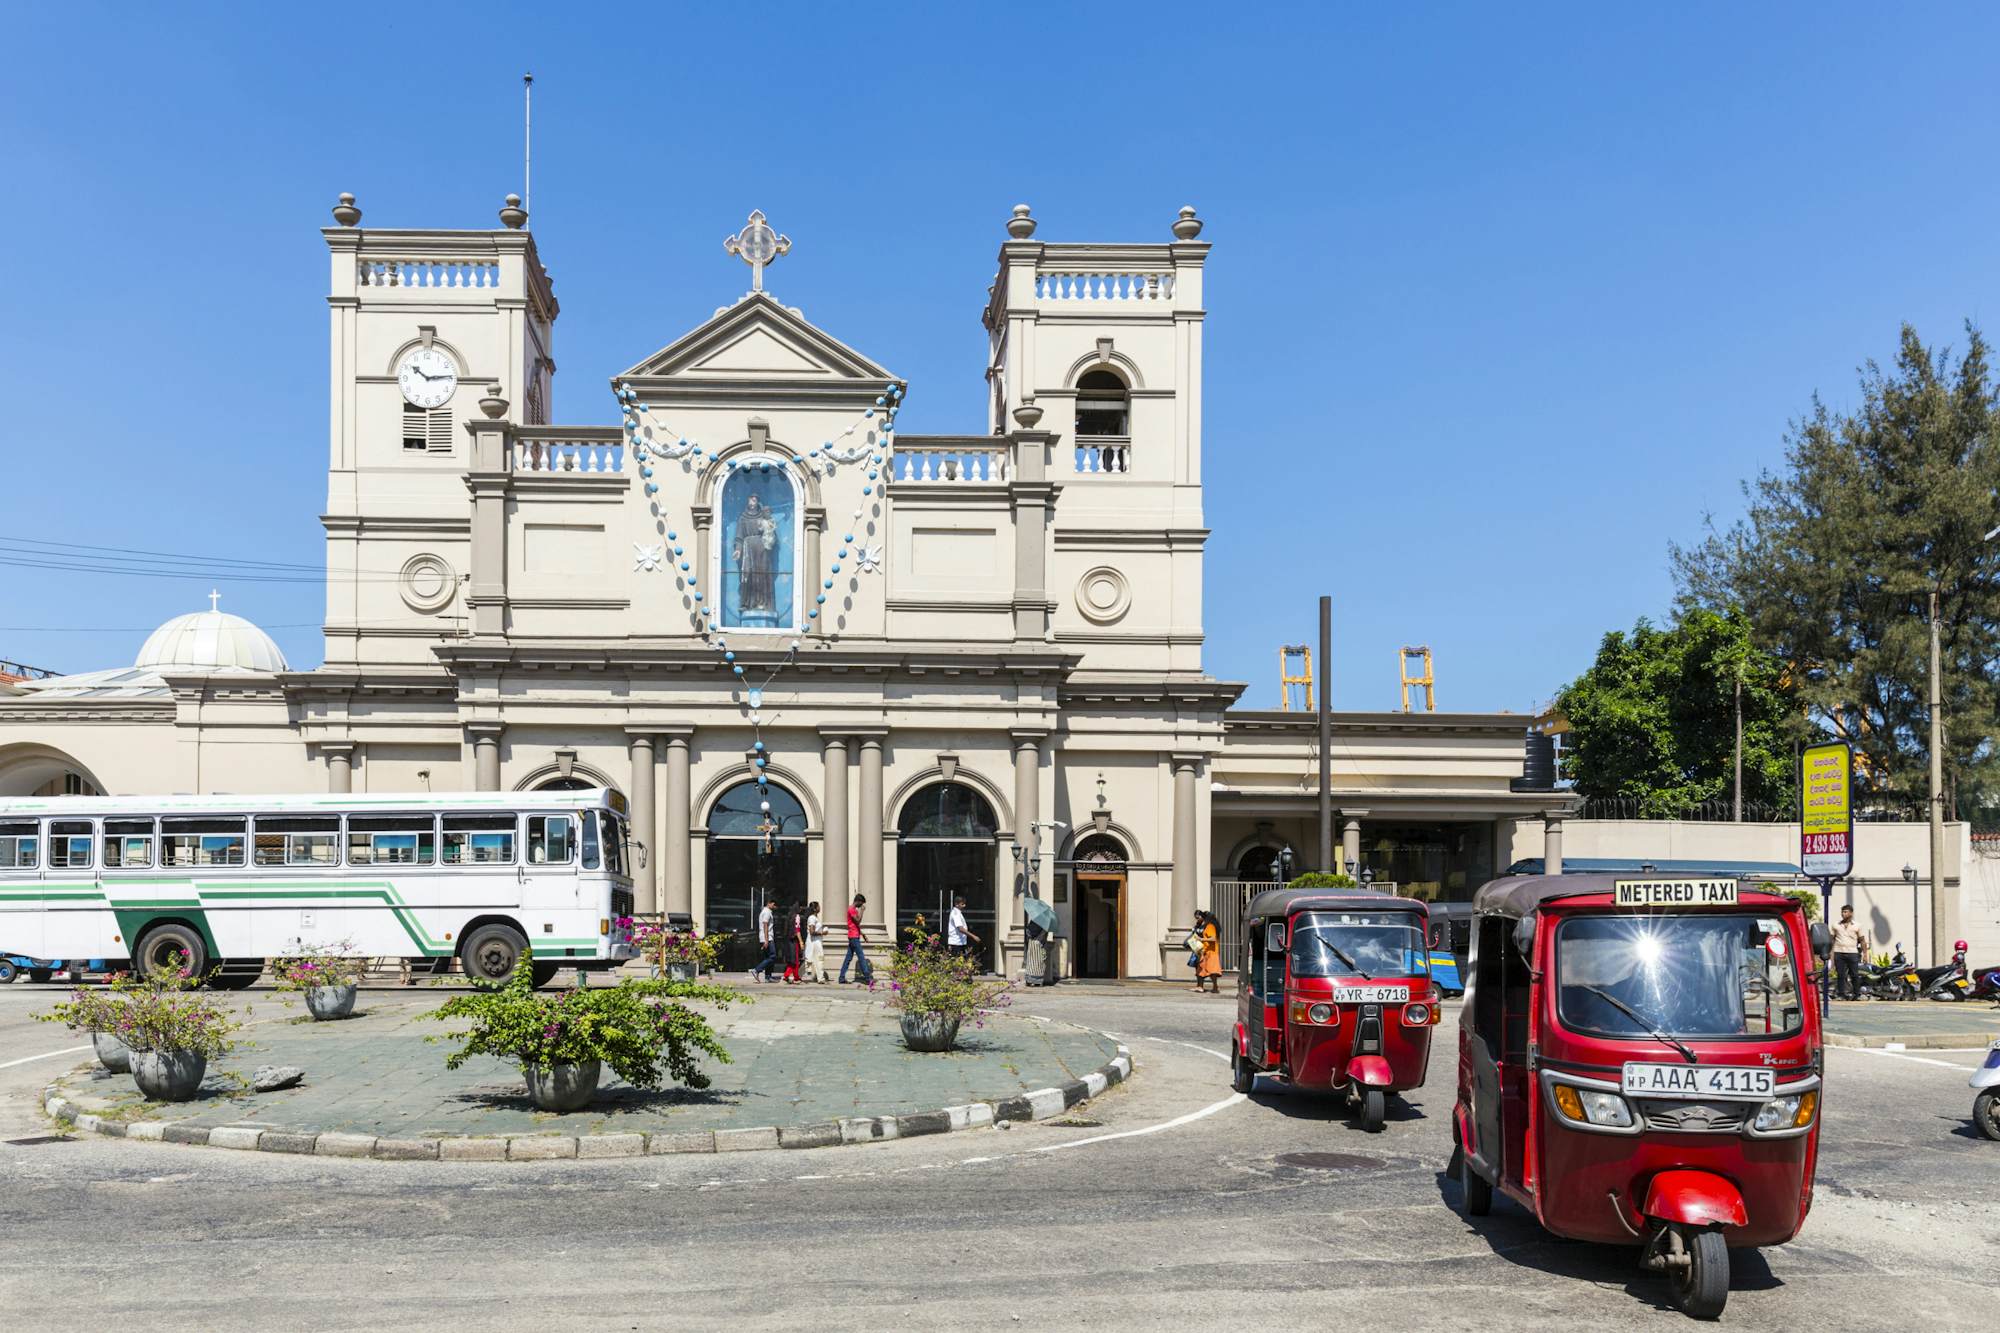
(1739, 744)
(1326, 858)
(1942, 916)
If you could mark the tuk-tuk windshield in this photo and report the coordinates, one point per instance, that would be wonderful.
(1688, 975)
(1376, 944)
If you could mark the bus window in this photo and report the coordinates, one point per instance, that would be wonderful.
(128, 843)
(309, 840)
(69, 844)
(549, 839)
(614, 842)
(589, 840)
(202, 842)
(479, 840)
(20, 846)
(395, 840)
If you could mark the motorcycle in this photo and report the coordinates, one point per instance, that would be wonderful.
(1986, 985)
(1986, 1106)
(1890, 981)
(1948, 982)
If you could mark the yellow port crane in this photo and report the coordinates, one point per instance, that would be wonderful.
(1295, 689)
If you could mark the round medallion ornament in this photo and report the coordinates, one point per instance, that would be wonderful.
(427, 583)
(1103, 595)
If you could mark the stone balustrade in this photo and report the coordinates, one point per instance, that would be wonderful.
(483, 274)
(951, 465)
(1104, 287)
(1103, 453)
(590, 452)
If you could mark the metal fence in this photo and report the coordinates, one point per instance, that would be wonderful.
(1869, 809)
(1230, 898)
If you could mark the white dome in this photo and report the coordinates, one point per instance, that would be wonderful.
(210, 641)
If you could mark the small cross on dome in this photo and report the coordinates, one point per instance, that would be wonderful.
(214, 600)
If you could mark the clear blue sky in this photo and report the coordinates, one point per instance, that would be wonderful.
(1502, 298)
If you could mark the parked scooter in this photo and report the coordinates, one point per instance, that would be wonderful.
(1948, 982)
(1986, 985)
(1891, 981)
(1986, 1106)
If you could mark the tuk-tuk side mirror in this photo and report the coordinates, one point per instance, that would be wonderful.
(1822, 939)
(1274, 937)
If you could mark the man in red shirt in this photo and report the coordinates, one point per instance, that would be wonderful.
(854, 951)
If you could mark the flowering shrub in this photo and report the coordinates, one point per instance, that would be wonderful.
(165, 1011)
(92, 1010)
(665, 946)
(927, 978)
(328, 965)
(636, 1027)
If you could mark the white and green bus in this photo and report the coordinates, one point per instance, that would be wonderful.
(230, 881)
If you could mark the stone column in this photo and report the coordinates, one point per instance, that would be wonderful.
(833, 845)
(339, 766)
(869, 829)
(1186, 872)
(646, 882)
(676, 846)
(1009, 918)
(487, 480)
(485, 755)
(1350, 843)
(1552, 844)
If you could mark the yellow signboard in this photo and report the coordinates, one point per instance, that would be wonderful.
(1826, 810)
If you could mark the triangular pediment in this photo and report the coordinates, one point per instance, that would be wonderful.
(759, 341)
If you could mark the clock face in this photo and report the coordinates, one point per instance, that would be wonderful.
(428, 377)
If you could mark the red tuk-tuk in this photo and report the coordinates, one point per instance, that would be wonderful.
(1335, 995)
(1639, 1063)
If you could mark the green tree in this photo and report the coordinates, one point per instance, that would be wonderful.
(1835, 562)
(1654, 718)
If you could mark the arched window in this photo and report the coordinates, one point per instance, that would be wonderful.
(948, 843)
(1259, 864)
(754, 856)
(756, 558)
(1103, 406)
(1100, 849)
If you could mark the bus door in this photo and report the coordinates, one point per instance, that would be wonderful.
(549, 870)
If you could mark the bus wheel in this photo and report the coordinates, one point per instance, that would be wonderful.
(492, 952)
(158, 947)
(543, 973)
(40, 973)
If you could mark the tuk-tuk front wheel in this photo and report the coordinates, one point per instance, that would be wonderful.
(1701, 1281)
(1374, 1109)
(1242, 1077)
(1986, 1113)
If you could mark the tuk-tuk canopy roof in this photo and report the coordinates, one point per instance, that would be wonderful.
(1517, 896)
(1283, 902)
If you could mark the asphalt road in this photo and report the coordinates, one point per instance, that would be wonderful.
(1180, 1207)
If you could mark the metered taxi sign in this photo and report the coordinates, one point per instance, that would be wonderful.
(1674, 892)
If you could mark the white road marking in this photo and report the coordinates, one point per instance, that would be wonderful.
(45, 1055)
(1175, 1123)
(1914, 1059)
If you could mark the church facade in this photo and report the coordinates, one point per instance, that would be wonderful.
(820, 657)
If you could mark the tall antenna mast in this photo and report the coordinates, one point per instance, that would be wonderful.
(528, 146)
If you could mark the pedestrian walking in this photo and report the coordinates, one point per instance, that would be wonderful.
(958, 937)
(815, 946)
(855, 953)
(791, 945)
(1208, 962)
(1850, 946)
(767, 940)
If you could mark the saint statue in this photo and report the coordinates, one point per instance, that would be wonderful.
(753, 553)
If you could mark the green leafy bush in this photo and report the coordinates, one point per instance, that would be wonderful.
(88, 1009)
(640, 1028)
(165, 1011)
(1320, 879)
(1806, 898)
(325, 965)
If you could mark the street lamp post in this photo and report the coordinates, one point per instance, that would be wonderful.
(1285, 865)
(1916, 912)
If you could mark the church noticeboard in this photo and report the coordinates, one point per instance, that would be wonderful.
(1826, 810)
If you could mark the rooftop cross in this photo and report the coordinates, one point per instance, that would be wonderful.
(757, 245)
(214, 598)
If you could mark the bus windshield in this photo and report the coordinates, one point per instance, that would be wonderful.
(1687, 974)
(1369, 944)
(614, 842)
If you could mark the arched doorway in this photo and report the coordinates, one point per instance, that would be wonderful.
(39, 770)
(1258, 865)
(1097, 921)
(754, 856)
(947, 842)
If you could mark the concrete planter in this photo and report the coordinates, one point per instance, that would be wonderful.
(112, 1053)
(563, 1087)
(331, 1002)
(929, 1032)
(680, 971)
(168, 1076)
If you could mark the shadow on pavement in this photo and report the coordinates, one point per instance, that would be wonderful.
(1300, 1104)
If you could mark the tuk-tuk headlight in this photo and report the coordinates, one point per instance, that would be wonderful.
(1320, 1013)
(1591, 1107)
(1792, 1112)
(1416, 1015)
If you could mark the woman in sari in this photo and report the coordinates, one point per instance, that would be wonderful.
(1208, 958)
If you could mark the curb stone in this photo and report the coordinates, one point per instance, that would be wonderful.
(1041, 1104)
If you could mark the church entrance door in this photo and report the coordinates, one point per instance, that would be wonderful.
(754, 857)
(1100, 925)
